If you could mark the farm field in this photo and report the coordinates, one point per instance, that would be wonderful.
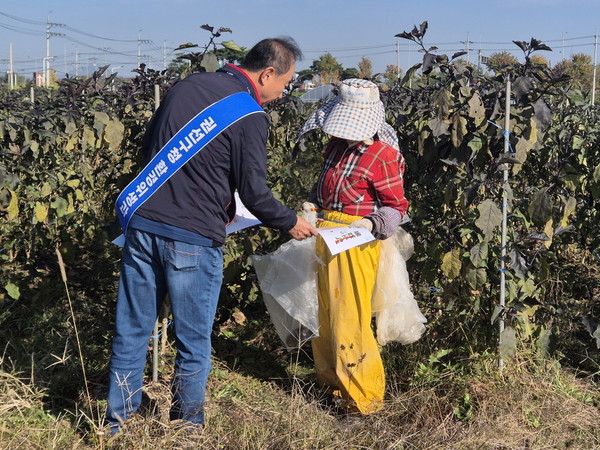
(66, 154)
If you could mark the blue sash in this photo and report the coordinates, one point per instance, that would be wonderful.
(182, 147)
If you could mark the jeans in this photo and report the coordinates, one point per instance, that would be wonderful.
(191, 275)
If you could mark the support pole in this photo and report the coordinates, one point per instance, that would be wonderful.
(47, 66)
(155, 352)
(505, 170)
(155, 332)
(398, 57)
(139, 49)
(76, 63)
(164, 55)
(11, 77)
(595, 68)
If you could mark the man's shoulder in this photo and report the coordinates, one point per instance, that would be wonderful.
(213, 82)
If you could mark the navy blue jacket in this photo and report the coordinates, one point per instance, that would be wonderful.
(199, 197)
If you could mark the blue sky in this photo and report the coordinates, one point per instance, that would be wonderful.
(108, 31)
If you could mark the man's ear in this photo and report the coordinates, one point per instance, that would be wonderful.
(267, 74)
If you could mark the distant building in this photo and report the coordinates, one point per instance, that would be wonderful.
(307, 85)
(324, 92)
(39, 78)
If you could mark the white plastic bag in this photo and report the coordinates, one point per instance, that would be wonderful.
(396, 311)
(288, 281)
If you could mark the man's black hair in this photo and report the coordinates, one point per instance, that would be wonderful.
(279, 53)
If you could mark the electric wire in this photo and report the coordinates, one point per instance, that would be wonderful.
(402, 46)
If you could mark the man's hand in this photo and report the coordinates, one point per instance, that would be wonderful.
(302, 230)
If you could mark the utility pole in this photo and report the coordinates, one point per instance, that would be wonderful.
(11, 77)
(398, 57)
(468, 49)
(595, 68)
(139, 43)
(48, 57)
(76, 63)
(47, 60)
(94, 63)
(410, 78)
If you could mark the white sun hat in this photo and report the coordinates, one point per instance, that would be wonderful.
(356, 114)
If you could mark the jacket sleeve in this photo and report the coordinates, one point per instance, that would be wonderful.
(249, 170)
(389, 181)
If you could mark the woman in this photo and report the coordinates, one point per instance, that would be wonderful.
(361, 185)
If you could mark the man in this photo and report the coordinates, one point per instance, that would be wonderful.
(174, 238)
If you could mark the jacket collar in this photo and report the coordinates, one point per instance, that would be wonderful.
(242, 77)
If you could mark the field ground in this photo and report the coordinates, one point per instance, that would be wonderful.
(524, 405)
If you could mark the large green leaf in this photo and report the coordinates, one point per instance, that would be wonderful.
(41, 211)
(439, 127)
(479, 254)
(209, 62)
(490, 217)
(113, 133)
(46, 189)
(459, 129)
(518, 263)
(230, 45)
(89, 138)
(476, 143)
(597, 174)
(508, 343)
(101, 117)
(60, 205)
(477, 278)
(570, 206)
(13, 290)
(543, 343)
(13, 206)
(70, 126)
(540, 207)
(476, 109)
(451, 263)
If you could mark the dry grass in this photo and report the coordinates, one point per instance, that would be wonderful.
(23, 422)
(528, 405)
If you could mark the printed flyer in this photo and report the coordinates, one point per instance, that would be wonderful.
(243, 218)
(339, 239)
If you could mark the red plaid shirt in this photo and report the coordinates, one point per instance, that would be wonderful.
(360, 180)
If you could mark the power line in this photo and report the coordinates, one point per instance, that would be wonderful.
(570, 39)
(22, 30)
(104, 50)
(36, 22)
(99, 37)
(150, 48)
(541, 40)
(437, 44)
(20, 19)
(350, 49)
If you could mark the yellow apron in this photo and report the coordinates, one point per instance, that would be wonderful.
(346, 353)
